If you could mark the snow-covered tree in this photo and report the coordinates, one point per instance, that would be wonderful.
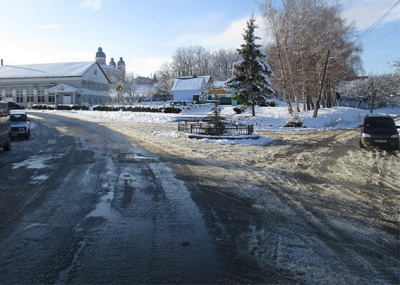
(251, 74)
(302, 32)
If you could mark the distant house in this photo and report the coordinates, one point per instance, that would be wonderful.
(185, 87)
(54, 83)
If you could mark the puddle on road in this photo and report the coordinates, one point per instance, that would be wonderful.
(103, 207)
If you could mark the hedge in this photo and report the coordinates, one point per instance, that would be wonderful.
(137, 109)
(172, 110)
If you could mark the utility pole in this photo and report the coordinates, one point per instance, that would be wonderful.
(322, 85)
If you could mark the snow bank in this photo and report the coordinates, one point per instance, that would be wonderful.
(266, 119)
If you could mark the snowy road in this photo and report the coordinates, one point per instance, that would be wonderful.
(82, 204)
(126, 203)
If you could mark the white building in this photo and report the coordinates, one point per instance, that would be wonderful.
(185, 87)
(54, 83)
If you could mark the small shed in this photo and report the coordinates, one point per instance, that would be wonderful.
(186, 87)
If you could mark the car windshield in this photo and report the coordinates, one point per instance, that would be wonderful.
(379, 123)
(18, 118)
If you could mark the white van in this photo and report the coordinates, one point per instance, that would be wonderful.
(5, 128)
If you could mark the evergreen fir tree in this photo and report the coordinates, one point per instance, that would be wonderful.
(251, 74)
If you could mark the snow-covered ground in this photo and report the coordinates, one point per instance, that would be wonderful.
(267, 118)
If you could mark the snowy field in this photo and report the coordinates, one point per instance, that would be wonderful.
(266, 119)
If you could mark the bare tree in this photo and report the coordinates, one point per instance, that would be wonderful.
(196, 60)
(165, 80)
(303, 31)
(129, 86)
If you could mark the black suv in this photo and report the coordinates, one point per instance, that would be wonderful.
(14, 106)
(379, 131)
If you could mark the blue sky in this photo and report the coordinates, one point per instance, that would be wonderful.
(146, 33)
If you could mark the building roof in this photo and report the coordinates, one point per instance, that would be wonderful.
(65, 69)
(196, 83)
(108, 67)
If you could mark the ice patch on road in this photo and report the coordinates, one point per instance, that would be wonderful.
(34, 162)
(39, 179)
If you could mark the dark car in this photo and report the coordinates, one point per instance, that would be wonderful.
(379, 131)
(20, 124)
(5, 129)
(14, 106)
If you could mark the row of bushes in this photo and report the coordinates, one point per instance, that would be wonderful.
(60, 107)
(138, 109)
(172, 110)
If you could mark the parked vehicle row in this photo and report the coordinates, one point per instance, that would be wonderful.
(14, 123)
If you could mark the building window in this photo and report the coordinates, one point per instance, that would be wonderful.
(95, 72)
(29, 95)
(41, 98)
(8, 93)
(52, 98)
(20, 96)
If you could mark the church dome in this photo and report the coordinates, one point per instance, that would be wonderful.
(112, 62)
(100, 53)
(121, 62)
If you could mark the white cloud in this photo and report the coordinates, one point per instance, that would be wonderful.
(366, 12)
(49, 27)
(230, 37)
(92, 4)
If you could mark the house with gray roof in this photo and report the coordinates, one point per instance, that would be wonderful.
(187, 86)
(54, 83)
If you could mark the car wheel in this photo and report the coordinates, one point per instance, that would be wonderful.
(361, 144)
(28, 135)
(7, 147)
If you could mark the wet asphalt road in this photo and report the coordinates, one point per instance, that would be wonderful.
(85, 205)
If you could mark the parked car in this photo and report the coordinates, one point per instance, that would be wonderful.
(379, 131)
(15, 106)
(5, 129)
(20, 124)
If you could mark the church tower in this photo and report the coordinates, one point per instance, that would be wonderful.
(121, 66)
(112, 63)
(100, 56)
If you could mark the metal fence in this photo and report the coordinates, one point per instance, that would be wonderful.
(223, 129)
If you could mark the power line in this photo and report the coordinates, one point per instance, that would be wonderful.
(382, 37)
(377, 22)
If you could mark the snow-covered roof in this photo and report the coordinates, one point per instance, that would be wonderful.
(220, 84)
(64, 69)
(107, 67)
(197, 83)
(206, 77)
